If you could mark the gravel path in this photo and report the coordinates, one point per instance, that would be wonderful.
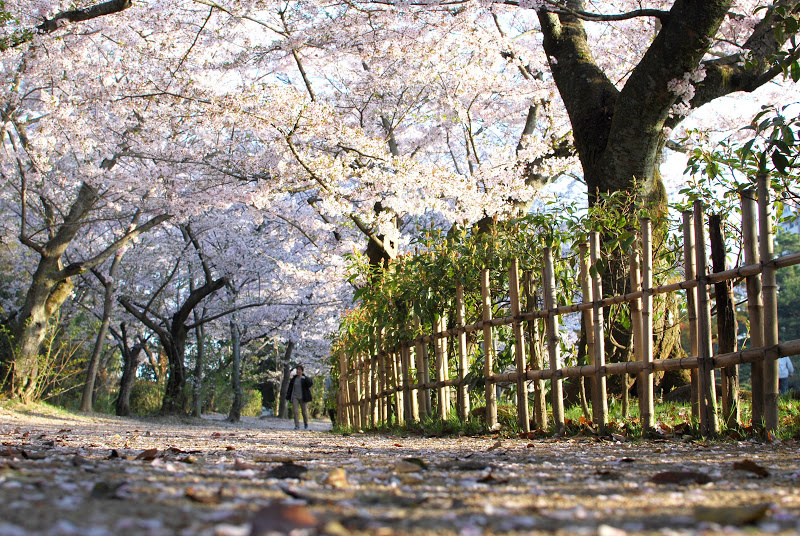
(65, 474)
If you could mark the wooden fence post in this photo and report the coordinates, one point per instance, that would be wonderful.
(536, 359)
(423, 374)
(397, 388)
(553, 343)
(488, 349)
(588, 326)
(707, 389)
(599, 379)
(755, 307)
(726, 323)
(646, 405)
(362, 385)
(342, 416)
(523, 413)
(462, 395)
(382, 379)
(637, 325)
(405, 367)
(769, 289)
(690, 273)
(440, 350)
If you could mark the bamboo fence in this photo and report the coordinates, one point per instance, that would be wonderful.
(395, 379)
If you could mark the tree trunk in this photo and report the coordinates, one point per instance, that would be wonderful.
(130, 362)
(726, 324)
(44, 298)
(287, 370)
(109, 285)
(199, 363)
(175, 397)
(236, 407)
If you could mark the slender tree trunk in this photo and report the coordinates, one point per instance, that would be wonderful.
(236, 407)
(282, 405)
(199, 363)
(109, 285)
(175, 396)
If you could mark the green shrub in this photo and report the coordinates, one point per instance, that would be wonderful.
(146, 397)
(251, 404)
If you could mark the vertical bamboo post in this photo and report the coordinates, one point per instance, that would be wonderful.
(488, 350)
(755, 308)
(553, 346)
(726, 323)
(399, 407)
(646, 405)
(588, 326)
(342, 416)
(523, 413)
(440, 368)
(362, 386)
(405, 367)
(707, 389)
(536, 359)
(637, 325)
(423, 366)
(770, 292)
(598, 380)
(381, 390)
(690, 273)
(462, 395)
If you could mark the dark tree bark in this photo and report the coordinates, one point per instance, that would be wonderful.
(130, 362)
(726, 323)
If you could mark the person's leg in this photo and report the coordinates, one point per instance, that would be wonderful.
(783, 385)
(296, 408)
(304, 405)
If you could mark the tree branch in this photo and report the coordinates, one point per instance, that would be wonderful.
(81, 267)
(81, 15)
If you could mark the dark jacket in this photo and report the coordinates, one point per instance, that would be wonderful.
(306, 383)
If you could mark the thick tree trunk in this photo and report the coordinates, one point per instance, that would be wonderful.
(236, 407)
(175, 395)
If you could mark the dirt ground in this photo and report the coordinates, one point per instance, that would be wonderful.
(64, 474)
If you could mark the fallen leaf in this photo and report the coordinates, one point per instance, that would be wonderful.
(282, 518)
(229, 448)
(680, 477)
(33, 455)
(106, 490)
(287, 470)
(114, 455)
(604, 474)
(148, 455)
(405, 466)
(491, 479)
(241, 465)
(731, 515)
(752, 467)
(189, 459)
(498, 444)
(202, 496)
(337, 479)
(216, 435)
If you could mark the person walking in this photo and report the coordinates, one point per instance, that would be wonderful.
(299, 394)
(785, 369)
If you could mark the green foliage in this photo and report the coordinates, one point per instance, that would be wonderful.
(146, 397)
(251, 404)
